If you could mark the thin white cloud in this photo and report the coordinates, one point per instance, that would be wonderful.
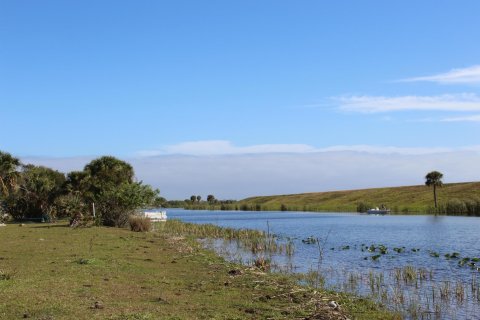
(223, 147)
(471, 118)
(389, 149)
(378, 104)
(470, 75)
(216, 147)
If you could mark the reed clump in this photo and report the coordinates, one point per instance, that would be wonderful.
(253, 241)
(140, 224)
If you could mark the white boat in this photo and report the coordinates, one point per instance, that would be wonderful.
(378, 211)
(155, 215)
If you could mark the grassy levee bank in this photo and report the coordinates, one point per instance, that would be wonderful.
(50, 271)
(408, 199)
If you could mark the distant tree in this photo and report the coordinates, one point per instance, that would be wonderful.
(193, 198)
(159, 202)
(434, 179)
(9, 173)
(211, 198)
(199, 198)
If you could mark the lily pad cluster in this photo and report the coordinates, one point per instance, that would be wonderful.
(382, 249)
(465, 261)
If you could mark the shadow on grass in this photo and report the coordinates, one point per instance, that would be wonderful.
(47, 226)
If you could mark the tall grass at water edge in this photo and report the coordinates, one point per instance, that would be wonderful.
(253, 241)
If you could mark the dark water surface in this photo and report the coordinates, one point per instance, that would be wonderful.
(429, 234)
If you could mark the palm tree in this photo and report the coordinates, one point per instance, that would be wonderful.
(434, 179)
(211, 198)
(8, 173)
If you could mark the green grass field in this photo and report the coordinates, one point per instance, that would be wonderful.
(50, 271)
(399, 199)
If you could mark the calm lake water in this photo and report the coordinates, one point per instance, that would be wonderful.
(346, 236)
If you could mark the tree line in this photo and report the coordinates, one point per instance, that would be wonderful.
(105, 187)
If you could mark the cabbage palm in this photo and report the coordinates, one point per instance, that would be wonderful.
(434, 179)
(8, 173)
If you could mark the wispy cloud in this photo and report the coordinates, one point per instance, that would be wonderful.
(223, 147)
(390, 149)
(216, 147)
(470, 75)
(378, 104)
(471, 118)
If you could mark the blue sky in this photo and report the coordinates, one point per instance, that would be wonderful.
(139, 79)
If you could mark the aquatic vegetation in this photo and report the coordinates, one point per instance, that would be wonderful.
(310, 240)
(434, 254)
(253, 241)
(375, 257)
(454, 255)
(382, 249)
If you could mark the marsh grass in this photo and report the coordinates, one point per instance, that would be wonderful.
(253, 241)
(416, 293)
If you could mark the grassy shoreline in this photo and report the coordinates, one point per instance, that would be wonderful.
(50, 271)
(454, 198)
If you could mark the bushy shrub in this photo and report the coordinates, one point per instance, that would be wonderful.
(363, 207)
(116, 205)
(68, 205)
(140, 224)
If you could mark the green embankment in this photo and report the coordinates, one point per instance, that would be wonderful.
(50, 271)
(409, 199)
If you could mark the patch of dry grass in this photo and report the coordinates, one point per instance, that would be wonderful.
(140, 224)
